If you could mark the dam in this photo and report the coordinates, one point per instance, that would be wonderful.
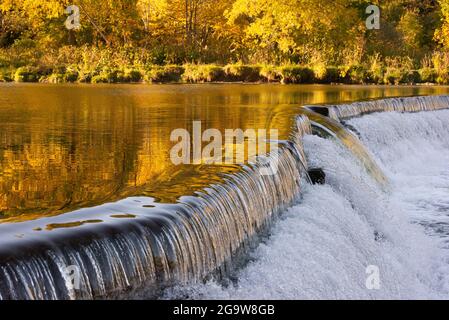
(107, 200)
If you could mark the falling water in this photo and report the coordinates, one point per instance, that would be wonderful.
(406, 104)
(179, 243)
(322, 245)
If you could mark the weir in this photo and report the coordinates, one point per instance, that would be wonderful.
(400, 104)
(168, 244)
(172, 244)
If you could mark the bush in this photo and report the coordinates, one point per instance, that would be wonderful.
(100, 78)
(392, 76)
(245, 73)
(85, 76)
(355, 74)
(109, 75)
(6, 75)
(428, 75)
(401, 76)
(327, 74)
(297, 74)
(270, 73)
(375, 68)
(53, 78)
(133, 75)
(443, 77)
(410, 77)
(71, 74)
(120, 77)
(203, 73)
(169, 73)
(26, 74)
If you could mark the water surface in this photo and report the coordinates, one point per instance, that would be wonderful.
(65, 147)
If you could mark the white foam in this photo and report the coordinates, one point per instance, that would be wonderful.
(321, 247)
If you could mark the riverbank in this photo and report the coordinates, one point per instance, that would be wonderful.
(207, 73)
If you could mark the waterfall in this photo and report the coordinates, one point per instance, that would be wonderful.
(201, 235)
(323, 245)
(177, 243)
(406, 104)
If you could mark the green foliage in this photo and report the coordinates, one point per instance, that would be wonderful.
(6, 75)
(26, 74)
(270, 73)
(327, 74)
(289, 41)
(133, 75)
(428, 75)
(297, 74)
(164, 74)
(354, 74)
(203, 73)
(53, 78)
(245, 73)
(71, 74)
(107, 75)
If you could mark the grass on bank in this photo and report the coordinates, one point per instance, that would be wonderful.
(389, 72)
(26, 61)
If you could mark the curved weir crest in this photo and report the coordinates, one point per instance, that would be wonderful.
(177, 243)
(201, 235)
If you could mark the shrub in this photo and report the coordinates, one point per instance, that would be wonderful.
(120, 77)
(99, 78)
(6, 75)
(109, 75)
(71, 74)
(163, 74)
(53, 78)
(297, 74)
(443, 77)
(355, 74)
(401, 76)
(245, 73)
(26, 74)
(440, 62)
(203, 73)
(270, 73)
(133, 75)
(85, 76)
(392, 76)
(410, 77)
(375, 69)
(327, 74)
(428, 74)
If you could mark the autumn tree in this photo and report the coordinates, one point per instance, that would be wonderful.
(297, 28)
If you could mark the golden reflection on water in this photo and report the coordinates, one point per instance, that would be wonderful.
(64, 147)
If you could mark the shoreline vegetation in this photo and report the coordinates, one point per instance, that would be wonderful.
(200, 41)
(379, 72)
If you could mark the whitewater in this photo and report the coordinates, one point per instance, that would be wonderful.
(322, 247)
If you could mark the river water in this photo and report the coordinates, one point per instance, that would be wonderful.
(86, 180)
(322, 247)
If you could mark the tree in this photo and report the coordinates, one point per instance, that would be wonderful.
(297, 27)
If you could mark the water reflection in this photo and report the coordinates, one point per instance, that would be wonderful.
(68, 147)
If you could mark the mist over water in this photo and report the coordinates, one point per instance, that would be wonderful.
(321, 247)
